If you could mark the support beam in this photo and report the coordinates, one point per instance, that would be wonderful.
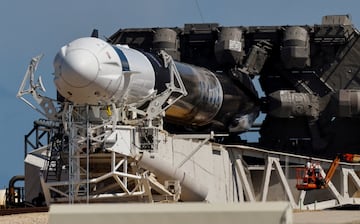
(284, 182)
(266, 179)
(244, 181)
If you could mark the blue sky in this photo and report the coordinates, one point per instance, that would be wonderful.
(29, 28)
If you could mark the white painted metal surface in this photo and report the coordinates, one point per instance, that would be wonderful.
(89, 70)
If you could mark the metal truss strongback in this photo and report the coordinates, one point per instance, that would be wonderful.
(112, 176)
(342, 190)
(100, 174)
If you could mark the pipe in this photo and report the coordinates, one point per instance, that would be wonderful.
(191, 190)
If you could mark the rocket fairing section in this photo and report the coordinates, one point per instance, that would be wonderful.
(91, 71)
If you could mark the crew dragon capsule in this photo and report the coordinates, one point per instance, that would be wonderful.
(91, 71)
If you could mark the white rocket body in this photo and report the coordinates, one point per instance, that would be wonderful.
(91, 71)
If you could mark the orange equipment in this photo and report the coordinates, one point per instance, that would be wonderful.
(310, 178)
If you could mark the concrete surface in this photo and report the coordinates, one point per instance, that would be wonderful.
(327, 217)
(174, 213)
(313, 217)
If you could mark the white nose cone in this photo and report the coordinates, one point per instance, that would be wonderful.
(80, 68)
(91, 71)
(88, 71)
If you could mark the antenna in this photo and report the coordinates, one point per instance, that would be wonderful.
(199, 10)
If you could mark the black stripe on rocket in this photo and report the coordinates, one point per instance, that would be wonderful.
(124, 62)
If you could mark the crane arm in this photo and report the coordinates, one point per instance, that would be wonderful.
(332, 169)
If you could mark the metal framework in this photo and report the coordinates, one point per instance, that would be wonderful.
(136, 184)
(343, 190)
(114, 176)
(100, 175)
